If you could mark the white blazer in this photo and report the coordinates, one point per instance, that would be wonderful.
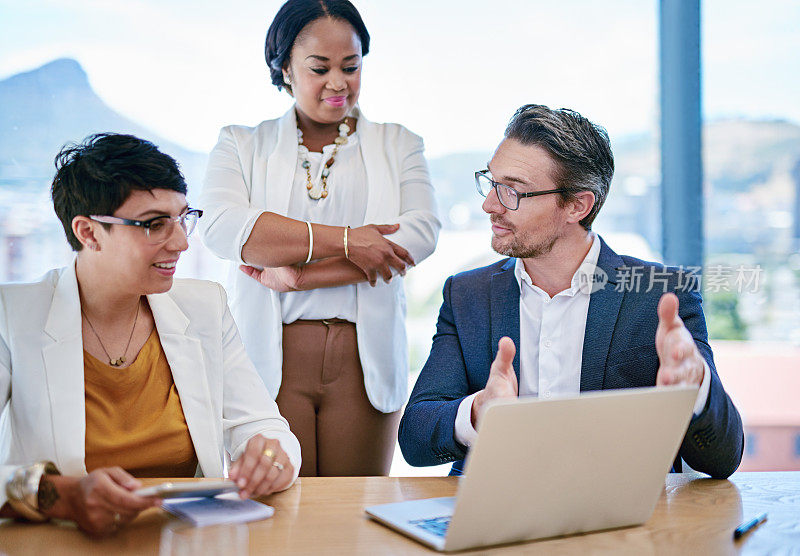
(251, 171)
(41, 375)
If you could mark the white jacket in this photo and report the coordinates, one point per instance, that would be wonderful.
(41, 375)
(250, 171)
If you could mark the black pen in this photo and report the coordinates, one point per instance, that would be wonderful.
(745, 528)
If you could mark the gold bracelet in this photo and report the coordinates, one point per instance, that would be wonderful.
(310, 242)
(22, 489)
(346, 252)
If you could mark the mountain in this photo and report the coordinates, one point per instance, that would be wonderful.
(54, 104)
(742, 153)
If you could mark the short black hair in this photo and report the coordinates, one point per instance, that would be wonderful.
(581, 149)
(293, 17)
(98, 175)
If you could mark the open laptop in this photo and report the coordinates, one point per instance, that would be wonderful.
(545, 468)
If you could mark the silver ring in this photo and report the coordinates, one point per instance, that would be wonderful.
(277, 465)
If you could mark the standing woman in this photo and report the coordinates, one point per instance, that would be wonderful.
(321, 209)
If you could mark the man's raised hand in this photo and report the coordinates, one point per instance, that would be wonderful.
(502, 382)
(679, 360)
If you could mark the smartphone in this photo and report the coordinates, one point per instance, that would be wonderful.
(189, 489)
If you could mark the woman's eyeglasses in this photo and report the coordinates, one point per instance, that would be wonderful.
(158, 229)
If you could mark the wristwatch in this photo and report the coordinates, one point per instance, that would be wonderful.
(22, 489)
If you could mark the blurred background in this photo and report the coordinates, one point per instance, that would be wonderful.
(175, 71)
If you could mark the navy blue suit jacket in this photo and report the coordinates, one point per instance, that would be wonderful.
(480, 306)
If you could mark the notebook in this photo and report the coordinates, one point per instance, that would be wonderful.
(214, 511)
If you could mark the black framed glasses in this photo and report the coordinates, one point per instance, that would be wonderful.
(158, 229)
(507, 195)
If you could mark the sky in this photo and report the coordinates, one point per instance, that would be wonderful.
(452, 71)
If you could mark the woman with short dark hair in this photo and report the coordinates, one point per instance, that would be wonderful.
(314, 207)
(113, 370)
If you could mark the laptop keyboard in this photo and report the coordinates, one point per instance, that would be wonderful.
(436, 525)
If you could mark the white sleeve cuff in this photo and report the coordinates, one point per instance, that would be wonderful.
(246, 231)
(702, 394)
(465, 433)
(289, 444)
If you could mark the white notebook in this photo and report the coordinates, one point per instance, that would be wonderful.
(214, 511)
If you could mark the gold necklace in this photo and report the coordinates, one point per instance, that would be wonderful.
(317, 193)
(119, 361)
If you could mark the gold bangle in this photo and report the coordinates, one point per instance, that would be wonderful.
(310, 242)
(22, 489)
(346, 252)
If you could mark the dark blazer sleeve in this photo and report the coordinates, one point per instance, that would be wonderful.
(427, 428)
(715, 440)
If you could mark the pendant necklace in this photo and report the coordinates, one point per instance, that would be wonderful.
(320, 191)
(119, 361)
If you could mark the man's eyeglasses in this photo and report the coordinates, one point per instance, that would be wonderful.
(508, 196)
(158, 229)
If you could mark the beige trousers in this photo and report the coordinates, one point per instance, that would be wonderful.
(322, 395)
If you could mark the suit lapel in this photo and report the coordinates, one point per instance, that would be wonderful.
(185, 357)
(376, 168)
(504, 304)
(62, 354)
(601, 320)
(281, 164)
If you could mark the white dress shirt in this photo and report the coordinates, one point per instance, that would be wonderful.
(345, 205)
(551, 333)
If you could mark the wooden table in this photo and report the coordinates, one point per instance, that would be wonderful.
(326, 515)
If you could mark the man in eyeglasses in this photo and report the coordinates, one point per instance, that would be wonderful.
(564, 313)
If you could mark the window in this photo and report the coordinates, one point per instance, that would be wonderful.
(751, 146)
(178, 88)
(750, 444)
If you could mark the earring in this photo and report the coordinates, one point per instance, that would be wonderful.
(93, 246)
(287, 80)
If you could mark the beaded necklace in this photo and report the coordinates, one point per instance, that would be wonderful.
(320, 191)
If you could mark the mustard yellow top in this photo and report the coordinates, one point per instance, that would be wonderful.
(134, 417)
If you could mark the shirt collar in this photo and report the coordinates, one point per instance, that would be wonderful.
(581, 280)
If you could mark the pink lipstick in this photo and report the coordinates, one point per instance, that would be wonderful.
(336, 101)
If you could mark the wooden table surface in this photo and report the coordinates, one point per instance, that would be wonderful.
(326, 515)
